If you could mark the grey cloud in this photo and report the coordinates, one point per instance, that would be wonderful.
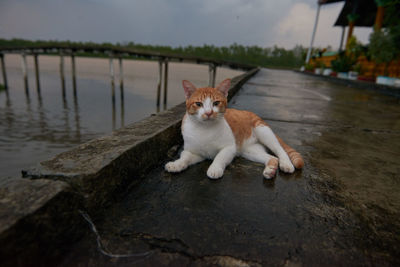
(163, 22)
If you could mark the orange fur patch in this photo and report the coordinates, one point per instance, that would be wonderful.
(242, 123)
(294, 156)
(273, 163)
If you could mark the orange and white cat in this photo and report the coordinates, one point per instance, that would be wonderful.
(212, 131)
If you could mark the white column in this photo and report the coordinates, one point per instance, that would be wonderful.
(313, 34)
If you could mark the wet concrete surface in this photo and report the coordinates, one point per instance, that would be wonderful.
(342, 209)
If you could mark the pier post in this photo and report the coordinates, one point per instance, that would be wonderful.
(165, 82)
(3, 70)
(212, 71)
(114, 120)
(121, 88)
(111, 63)
(112, 77)
(36, 60)
(159, 84)
(121, 74)
(62, 75)
(25, 73)
(122, 112)
(73, 74)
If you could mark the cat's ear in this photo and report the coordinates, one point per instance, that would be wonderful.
(189, 88)
(224, 86)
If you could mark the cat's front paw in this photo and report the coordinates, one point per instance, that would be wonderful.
(270, 172)
(286, 166)
(215, 172)
(271, 168)
(175, 166)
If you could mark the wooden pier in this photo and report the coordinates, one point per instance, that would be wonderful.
(112, 53)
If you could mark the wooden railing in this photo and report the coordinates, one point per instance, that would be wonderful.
(112, 53)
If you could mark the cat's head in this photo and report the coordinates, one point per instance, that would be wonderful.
(206, 104)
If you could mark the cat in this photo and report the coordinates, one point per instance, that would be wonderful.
(212, 131)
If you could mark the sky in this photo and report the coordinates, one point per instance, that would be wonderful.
(264, 23)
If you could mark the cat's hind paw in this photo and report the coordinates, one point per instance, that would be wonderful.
(175, 166)
(215, 172)
(286, 166)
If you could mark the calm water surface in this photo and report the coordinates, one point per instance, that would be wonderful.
(36, 127)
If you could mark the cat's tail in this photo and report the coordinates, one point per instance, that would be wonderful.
(295, 157)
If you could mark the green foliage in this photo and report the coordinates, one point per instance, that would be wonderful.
(355, 48)
(309, 67)
(2, 87)
(358, 68)
(392, 20)
(382, 2)
(343, 63)
(352, 17)
(381, 47)
(266, 57)
(320, 65)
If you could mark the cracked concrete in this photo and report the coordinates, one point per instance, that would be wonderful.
(342, 209)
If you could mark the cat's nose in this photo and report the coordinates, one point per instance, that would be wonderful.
(209, 113)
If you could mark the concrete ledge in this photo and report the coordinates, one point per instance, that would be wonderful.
(385, 89)
(38, 220)
(102, 168)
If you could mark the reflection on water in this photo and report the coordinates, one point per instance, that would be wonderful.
(37, 124)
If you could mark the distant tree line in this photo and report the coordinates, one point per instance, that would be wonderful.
(275, 57)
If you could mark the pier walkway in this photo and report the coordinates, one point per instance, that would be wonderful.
(342, 209)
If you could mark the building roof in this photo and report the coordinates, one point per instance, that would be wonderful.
(323, 2)
(365, 9)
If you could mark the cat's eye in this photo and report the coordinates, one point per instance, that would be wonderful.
(199, 104)
(216, 103)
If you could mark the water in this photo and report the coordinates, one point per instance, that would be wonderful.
(36, 127)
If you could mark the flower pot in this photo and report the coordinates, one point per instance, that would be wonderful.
(352, 75)
(366, 78)
(327, 72)
(384, 80)
(397, 82)
(343, 75)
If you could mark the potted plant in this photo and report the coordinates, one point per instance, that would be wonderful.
(319, 67)
(354, 50)
(309, 67)
(382, 51)
(342, 65)
(355, 71)
(327, 72)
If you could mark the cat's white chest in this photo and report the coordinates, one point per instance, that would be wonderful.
(207, 139)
